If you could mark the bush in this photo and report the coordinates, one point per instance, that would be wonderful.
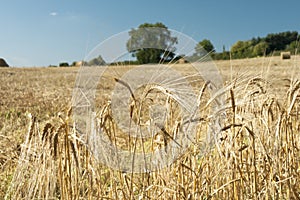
(64, 64)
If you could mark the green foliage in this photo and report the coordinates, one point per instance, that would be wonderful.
(74, 63)
(294, 47)
(151, 43)
(125, 62)
(279, 41)
(225, 55)
(64, 64)
(260, 48)
(242, 49)
(271, 44)
(203, 48)
(206, 45)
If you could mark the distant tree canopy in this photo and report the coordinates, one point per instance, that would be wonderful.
(203, 48)
(285, 41)
(280, 41)
(151, 43)
(206, 45)
(64, 64)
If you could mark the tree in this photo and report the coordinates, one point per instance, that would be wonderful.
(237, 50)
(64, 64)
(293, 47)
(279, 41)
(151, 43)
(260, 48)
(206, 45)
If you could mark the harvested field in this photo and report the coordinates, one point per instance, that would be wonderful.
(257, 155)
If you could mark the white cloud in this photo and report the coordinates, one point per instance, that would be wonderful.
(53, 14)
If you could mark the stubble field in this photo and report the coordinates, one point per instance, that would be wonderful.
(257, 155)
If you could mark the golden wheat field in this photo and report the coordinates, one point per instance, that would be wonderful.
(256, 155)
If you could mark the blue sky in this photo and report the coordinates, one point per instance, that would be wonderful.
(45, 32)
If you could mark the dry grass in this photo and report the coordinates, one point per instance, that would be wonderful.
(256, 156)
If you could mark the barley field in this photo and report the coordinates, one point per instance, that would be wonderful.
(256, 154)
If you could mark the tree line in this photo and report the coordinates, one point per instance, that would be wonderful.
(149, 45)
(273, 43)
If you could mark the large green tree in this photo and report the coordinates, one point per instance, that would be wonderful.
(151, 43)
